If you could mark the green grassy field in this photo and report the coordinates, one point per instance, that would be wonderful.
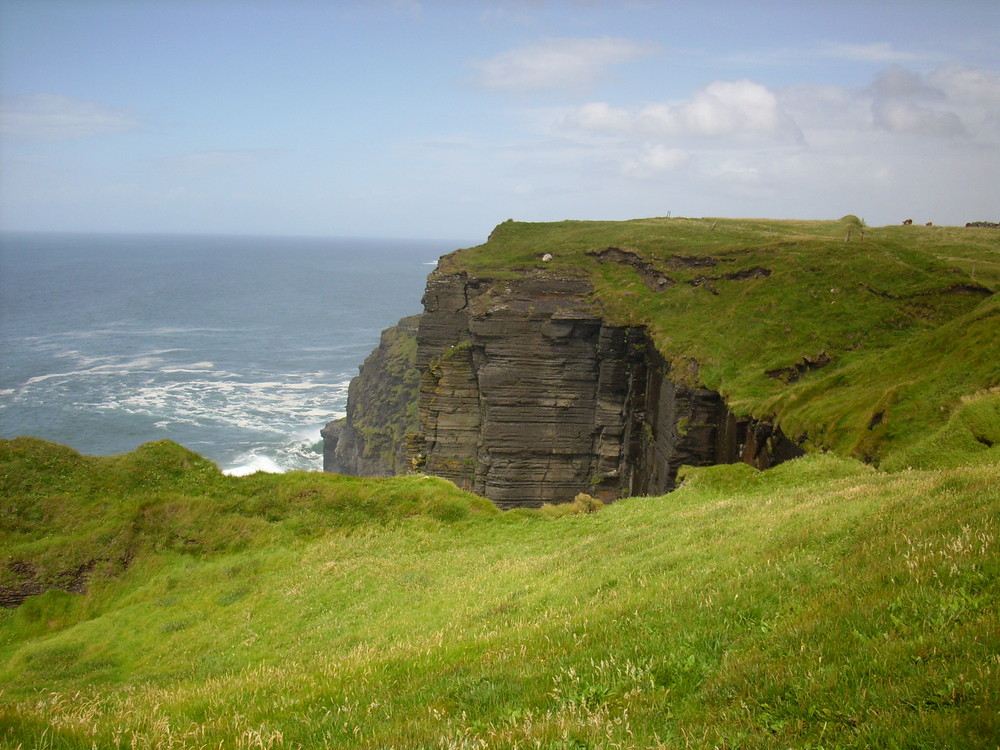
(826, 603)
(819, 604)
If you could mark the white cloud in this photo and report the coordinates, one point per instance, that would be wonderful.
(948, 102)
(600, 117)
(974, 95)
(969, 85)
(50, 117)
(823, 108)
(732, 107)
(739, 173)
(556, 64)
(721, 109)
(898, 81)
(654, 159)
(910, 117)
(741, 148)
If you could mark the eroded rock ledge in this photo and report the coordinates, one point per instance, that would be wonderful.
(527, 396)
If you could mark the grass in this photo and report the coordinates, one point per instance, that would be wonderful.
(819, 604)
(906, 315)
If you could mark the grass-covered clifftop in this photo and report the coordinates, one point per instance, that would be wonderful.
(819, 604)
(861, 346)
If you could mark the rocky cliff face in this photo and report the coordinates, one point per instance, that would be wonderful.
(381, 410)
(528, 396)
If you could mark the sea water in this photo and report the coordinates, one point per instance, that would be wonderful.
(239, 348)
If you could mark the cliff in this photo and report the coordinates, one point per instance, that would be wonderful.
(528, 396)
(599, 357)
(381, 410)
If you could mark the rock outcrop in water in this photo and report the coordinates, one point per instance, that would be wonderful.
(526, 396)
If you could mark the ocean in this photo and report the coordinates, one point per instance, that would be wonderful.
(238, 348)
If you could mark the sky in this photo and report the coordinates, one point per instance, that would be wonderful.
(437, 119)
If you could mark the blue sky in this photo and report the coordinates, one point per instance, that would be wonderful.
(441, 119)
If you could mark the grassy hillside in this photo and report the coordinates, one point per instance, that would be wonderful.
(819, 604)
(862, 346)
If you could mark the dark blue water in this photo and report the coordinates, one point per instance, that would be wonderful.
(239, 348)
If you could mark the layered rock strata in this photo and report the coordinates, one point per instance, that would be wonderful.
(527, 396)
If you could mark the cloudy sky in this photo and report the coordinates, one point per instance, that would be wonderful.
(437, 119)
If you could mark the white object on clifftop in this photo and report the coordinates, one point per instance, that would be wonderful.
(547, 257)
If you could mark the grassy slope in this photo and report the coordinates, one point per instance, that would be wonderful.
(906, 343)
(820, 604)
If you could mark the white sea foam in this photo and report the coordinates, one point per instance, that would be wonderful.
(50, 376)
(336, 348)
(252, 464)
(267, 406)
(195, 367)
(173, 331)
(115, 332)
(309, 435)
(142, 363)
(81, 360)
